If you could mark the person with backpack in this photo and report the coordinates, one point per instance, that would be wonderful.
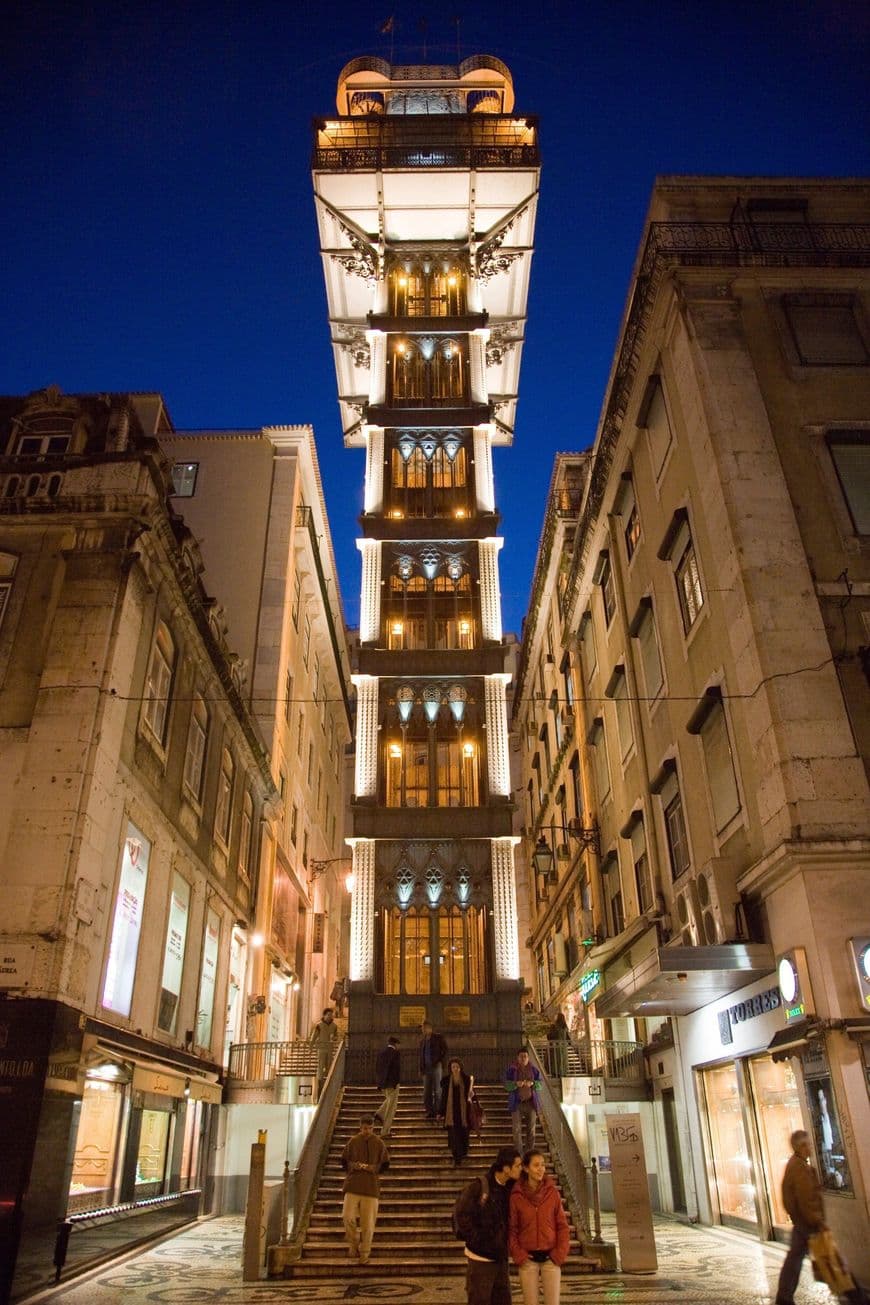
(538, 1233)
(480, 1219)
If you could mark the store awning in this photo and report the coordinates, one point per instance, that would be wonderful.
(793, 1038)
(679, 980)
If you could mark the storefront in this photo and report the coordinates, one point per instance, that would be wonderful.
(747, 1105)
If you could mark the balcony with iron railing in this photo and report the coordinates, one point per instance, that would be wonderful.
(467, 141)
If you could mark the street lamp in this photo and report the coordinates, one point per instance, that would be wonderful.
(543, 857)
(318, 868)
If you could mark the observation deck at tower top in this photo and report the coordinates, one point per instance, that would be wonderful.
(425, 116)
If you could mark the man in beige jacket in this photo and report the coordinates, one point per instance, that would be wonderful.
(364, 1157)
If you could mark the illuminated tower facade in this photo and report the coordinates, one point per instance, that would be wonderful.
(426, 186)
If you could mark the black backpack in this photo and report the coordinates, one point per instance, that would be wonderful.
(478, 1182)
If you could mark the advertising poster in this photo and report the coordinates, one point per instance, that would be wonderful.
(208, 979)
(127, 925)
(634, 1225)
(173, 956)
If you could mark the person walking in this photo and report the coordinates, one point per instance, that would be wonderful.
(802, 1198)
(481, 1217)
(538, 1233)
(363, 1159)
(557, 1036)
(433, 1055)
(523, 1081)
(388, 1069)
(324, 1036)
(456, 1088)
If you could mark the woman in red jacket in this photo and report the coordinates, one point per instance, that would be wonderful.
(537, 1231)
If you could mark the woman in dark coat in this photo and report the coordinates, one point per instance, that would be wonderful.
(456, 1088)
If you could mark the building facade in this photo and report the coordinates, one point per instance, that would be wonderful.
(254, 501)
(717, 618)
(138, 815)
(425, 187)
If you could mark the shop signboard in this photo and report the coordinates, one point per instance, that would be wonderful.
(589, 984)
(634, 1225)
(794, 984)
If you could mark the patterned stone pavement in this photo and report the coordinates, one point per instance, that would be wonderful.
(697, 1266)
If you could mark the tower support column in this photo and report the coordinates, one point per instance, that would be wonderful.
(362, 911)
(504, 909)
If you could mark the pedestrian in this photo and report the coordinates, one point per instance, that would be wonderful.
(538, 1233)
(433, 1055)
(324, 1036)
(523, 1082)
(363, 1158)
(802, 1198)
(481, 1217)
(456, 1088)
(557, 1036)
(337, 996)
(388, 1069)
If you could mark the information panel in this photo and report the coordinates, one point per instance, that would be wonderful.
(634, 1225)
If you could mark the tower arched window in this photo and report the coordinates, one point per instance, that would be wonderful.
(427, 370)
(424, 290)
(423, 613)
(432, 752)
(429, 476)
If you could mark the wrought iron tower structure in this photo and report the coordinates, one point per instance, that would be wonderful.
(426, 186)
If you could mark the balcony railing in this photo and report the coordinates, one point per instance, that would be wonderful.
(616, 1061)
(373, 159)
(252, 1062)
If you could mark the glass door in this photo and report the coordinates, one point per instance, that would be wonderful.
(778, 1115)
(733, 1177)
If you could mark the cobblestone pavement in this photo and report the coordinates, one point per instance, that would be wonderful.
(202, 1264)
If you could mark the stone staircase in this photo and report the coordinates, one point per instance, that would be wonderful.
(414, 1234)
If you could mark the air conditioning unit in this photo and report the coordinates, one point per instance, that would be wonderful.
(687, 914)
(567, 714)
(717, 899)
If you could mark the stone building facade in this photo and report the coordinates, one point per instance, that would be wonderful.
(717, 620)
(137, 821)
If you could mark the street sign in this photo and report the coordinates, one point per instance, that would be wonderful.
(634, 1225)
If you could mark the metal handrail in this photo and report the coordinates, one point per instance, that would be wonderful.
(618, 1060)
(256, 1061)
(567, 1160)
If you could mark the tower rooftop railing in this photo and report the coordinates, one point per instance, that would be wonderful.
(425, 141)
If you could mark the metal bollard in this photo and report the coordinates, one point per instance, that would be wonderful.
(596, 1202)
(61, 1245)
(285, 1204)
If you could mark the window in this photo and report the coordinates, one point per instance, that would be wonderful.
(617, 689)
(568, 681)
(424, 291)
(245, 832)
(184, 479)
(319, 787)
(300, 732)
(598, 742)
(588, 658)
(625, 506)
(426, 370)
(310, 771)
(428, 476)
(708, 721)
(678, 548)
(294, 823)
(224, 803)
(544, 737)
(631, 532)
(42, 446)
(640, 860)
(173, 953)
(305, 847)
(576, 790)
(127, 922)
(643, 628)
(8, 564)
(316, 678)
(158, 683)
(197, 734)
(603, 576)
(306, 641)
(288, 696)
(653, 415)
(825, 331)
(666, 786)
(850, 453)
(297, 593)
(434, 950)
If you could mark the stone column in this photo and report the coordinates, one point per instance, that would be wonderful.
(504, 909)
(498, 762)
(490, 596)
(484, 486)
(370, 596)
(378, 363)
(477, 365)
(366, 769)
(374, 485)
(362, 911)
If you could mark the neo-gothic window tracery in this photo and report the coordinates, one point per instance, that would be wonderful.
(427, 369)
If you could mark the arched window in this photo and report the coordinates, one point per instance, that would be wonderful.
(158, 683)
(432, 750)
(427, 370)
(429, 613)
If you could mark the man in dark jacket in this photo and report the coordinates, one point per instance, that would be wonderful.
(388, 1071)
(482, 1222)
(363, 1158)
(802, 1198)
(433, 1057)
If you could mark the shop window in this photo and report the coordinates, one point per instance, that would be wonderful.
(653, 416)
(158, 683)
(127, 922)
(194, 757)
(151, 1156)
(850, 454)
(191, 1145)
(778, 1112)
(207, 979)
(224, 802)
(709, 722)
(235, 989)
(643, 628)
(733, 1172)
(184, 476)
(827, 1135)
(95, 1161)
(825, 331)
(173, 953)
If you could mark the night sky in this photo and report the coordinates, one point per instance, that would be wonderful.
(158, 227)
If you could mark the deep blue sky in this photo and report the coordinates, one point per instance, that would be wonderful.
(158, 228)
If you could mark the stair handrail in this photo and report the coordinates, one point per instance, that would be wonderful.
(567, 1160)
(302, 1182)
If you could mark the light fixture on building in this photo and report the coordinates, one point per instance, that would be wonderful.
(350, 881)
(543, 857)
(318, 868)
(257, 939)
